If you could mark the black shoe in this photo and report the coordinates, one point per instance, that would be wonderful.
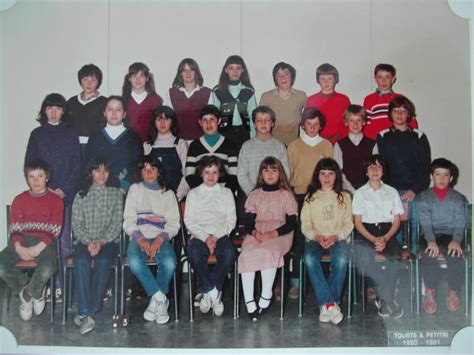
(262, 310)
(383, 307)
(253, 315)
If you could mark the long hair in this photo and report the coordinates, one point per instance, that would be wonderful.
(155, 163)
(315, 185)
(224, 78)
(178, 80)
(273, 163)
(135, 68)
(163, 112)
(95, 163)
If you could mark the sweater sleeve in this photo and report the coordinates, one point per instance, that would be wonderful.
(74, 164)
(251, 105)
(183, 186)
(78, 221)
(130, 215)
(114, 225)
(307, 226)
(171, 215)
(284, 161)
(460, 218)
(31, 148)
(191, 217)
(347, 219)
(243, 171)
(289, 226)
(424, 215)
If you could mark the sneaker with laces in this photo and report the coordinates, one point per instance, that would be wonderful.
(217, 305)
(26, 307)
(293, 293)
(162, 315)
(205, 303)
(335, 314)
(39, 304)
(150, 311)
(79, 320)
(429, 301)
(88, 324)
(452, 300)
(197, 300)
(324, 315)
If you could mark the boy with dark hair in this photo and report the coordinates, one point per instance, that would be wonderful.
(212, 143)
(85, 111)
(376, 103)
(286, 102)
(331, 103)
(36, 218)
(443, 218)
(352, 151)
(256, 149)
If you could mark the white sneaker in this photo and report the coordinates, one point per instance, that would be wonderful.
(162, 316)
(324, 315)
(88, 324)
(205, 303)
(39, 304)
(26, 307)
(150, 311)
(217, 305)
(335, 314)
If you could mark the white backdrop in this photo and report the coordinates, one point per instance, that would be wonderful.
(44, 43)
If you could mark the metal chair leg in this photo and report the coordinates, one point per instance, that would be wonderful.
(282, 292)
(175, 295)
(349, 297)
(300, 288)
(53, 291)
(190, 292)
(236, 290)
(64, 296)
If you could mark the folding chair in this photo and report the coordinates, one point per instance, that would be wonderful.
(31, 265)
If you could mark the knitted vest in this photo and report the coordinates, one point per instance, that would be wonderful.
(353, 159)
(187, 111)
(228, 103)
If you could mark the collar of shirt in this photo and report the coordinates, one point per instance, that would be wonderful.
(277, 93)
(114, 131)
(84, 101)
(139, 98)
(311, 141)
(382, 93)
(355, 138)
(164, 140)
(189, 93)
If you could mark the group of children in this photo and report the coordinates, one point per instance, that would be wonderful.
(283, 173)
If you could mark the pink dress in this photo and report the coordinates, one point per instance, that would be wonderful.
(271, 208)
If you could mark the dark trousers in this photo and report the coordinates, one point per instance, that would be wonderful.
(15, 279)
(91, 282)
(298, 243)
(383, 275)
(430, 266)
(198, 254)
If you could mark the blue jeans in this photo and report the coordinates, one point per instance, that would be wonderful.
(198, 254)
(326, 291)
(91, 282)
(165, 261)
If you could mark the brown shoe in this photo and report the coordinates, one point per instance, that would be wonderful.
(293, 293)
(371, 294)
(452, 300)
(429, 301)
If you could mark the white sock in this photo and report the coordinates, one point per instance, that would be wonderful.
(268, 277)
(213, 293)
(248, 279)
(160, 296)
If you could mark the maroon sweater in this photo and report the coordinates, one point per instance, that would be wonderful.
(39, 216)
(187, 111)
(140, 115)
(353, 159)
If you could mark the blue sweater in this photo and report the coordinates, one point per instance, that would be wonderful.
(59, 147)
(124, 153)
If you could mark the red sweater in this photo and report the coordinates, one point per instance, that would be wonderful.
(377, 114)
(333, 108)
(39, 216)
(140, 115)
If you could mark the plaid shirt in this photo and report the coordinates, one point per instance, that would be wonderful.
(98, 215)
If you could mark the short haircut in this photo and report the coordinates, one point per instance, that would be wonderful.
(283, 66)
(166, 112)
(210, 110)
(54, 99)
(327, 69)
(309, 113)
(124, 105)
(263, 109)
(154, 162)
(443, 163)
(402, 101)
(37, 164)
(90, 70)
(373, 160)
(356, 110)
(385, 67)
(95, 163)
(208, 161)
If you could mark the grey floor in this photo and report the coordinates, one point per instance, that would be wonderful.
(212, 332)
